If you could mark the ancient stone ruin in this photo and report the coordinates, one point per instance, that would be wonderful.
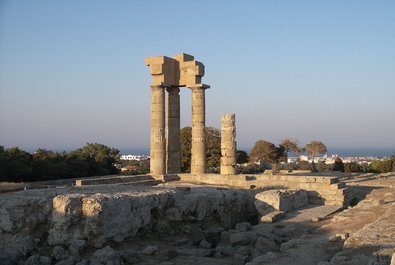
(170, 74)
(199, 218)
(228, 145)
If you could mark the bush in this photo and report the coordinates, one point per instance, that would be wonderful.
(352, 167)
(251, 169)
(15, 164)
(91, 160)
(379, 166)
(303, 165)
(338, 165)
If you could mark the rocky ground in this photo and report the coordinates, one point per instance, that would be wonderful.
(178, 223)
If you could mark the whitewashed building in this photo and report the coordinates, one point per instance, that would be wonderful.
(134, 157)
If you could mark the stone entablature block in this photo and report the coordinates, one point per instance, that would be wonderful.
(180, 71)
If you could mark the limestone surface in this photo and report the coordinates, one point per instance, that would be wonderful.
(170, 74)
(228, 144)
(280, 200)
(180, 223)
(76, 218)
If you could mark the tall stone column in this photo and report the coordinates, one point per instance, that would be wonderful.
(158, 143)
(173, 159)
(228, 145)
(198, 150)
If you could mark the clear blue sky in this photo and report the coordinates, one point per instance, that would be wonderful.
(73, 71)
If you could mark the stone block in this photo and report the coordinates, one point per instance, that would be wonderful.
(272, 217)
(243, 227)
(183, 57)
(204, 244)
(196, 235)
(240, 259)
(225, 250)
(269, 257)
(281, 200)
(150, 250)
(263, 245)
(213, 234)
(343, 236)
(327, 180)
(243, 238)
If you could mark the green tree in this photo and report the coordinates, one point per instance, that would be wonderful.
(3, 160)
(44, 162)
(15, 164)
(242, 157)
(303, 165)
(185, 148)
(98, 152)
(338, 165)
(266, 151)
(291, 145)
(315, 148)
(352, 167)
(101, 158)
(381, 166)
(213, 148)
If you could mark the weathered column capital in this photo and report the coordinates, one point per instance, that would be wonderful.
(173, 90)
(199, 86)
(158, 86)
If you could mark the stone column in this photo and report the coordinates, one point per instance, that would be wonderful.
(158, 143)
(173, 159)
(198, 150)
(228, 145)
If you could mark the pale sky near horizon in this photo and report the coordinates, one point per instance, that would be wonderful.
(73, 72)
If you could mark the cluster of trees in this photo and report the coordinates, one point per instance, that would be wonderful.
(96, 159)
(91, 160)
(264, 151)
(213, 148)
(377, 166)
(137, 167)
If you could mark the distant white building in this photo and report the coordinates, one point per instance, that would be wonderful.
(134, 157)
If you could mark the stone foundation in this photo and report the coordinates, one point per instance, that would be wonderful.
(320, 189)
(100, 215)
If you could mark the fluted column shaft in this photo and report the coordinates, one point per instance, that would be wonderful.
(173, 160)
(228, 144)
(158, 143)
(198, 150)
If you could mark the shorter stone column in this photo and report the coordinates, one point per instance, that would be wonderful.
(228, 145)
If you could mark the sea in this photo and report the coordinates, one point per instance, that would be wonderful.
(340, 151)
(343, 151)
(362, 152)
